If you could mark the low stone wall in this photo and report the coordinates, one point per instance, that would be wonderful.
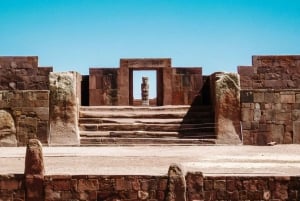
(29, 110)
(155, 188)
(98, 187)
(12, 187)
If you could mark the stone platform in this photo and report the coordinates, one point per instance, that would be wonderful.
(278, 160)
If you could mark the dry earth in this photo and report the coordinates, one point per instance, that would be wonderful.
(155, 160)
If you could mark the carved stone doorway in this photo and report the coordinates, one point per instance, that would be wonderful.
(135, 85)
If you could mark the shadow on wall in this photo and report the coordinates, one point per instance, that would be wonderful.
(199, 121)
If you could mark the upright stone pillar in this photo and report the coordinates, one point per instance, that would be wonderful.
(145, 91)
(34, 171)
(176, 184)
(64, 109)
(227, 108)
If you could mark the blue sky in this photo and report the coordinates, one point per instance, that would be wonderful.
(217, 35)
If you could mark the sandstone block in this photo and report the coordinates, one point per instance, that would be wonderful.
(7, 129)
(258, 97)
(296, 132)
(88, 185)
(287, 98)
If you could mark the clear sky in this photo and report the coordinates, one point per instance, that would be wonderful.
(217, 35)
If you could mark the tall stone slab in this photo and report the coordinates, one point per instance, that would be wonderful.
(227, 108)
(64, 109)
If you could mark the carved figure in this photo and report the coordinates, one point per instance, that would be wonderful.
(145, 91)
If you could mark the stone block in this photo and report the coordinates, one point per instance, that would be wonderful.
(88, 185)
(247, 115)
(283, 116)
(296, 132)
(273, 84)
(246, 97)
(61, 185)
(287, 98)
(245, 70)
(269, 97)
(258, 97)
(277, 133)
(297, 98)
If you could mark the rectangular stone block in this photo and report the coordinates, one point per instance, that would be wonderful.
(296, 132)
(273, 84)
(246, 96)
(283, 116)
(287, 98)
(258, 97)
(297, 98)
(245, 71)
(247, 115)
(277, 133)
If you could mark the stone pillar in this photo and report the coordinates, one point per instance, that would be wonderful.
(145, 91)
(227, 108)
(176, 190)
(34, 171)
(64, 109)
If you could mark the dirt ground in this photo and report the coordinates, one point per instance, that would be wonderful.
(278, 160)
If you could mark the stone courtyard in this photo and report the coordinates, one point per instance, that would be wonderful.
(88, 138)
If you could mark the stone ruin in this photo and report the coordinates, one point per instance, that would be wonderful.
(258, 105)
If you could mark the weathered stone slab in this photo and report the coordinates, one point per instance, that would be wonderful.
(227, 108)
(63, 109)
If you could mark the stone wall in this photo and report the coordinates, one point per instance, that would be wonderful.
(103, 86)
(186, 85)
(12, 187)
(97, 187)
(113, 86)
(270, 100)
(30, 112)
(155, 188)
(23, 73)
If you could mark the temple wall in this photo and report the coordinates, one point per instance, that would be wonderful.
(186, 85)
(103, 86)
(30, 111)
(270, 100)
(23, 73)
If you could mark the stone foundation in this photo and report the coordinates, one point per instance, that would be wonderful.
(130, 188)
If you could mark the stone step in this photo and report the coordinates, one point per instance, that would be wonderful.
(147, 127)
(183, 108)
(145, 141)
(129, 134)
(149, 134)
(145, 115)
(144, 120)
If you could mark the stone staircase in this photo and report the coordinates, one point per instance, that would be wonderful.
(129, 125)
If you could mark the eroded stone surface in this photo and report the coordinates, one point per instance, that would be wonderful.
(227, 108)
(64, 108)
(7, 129)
